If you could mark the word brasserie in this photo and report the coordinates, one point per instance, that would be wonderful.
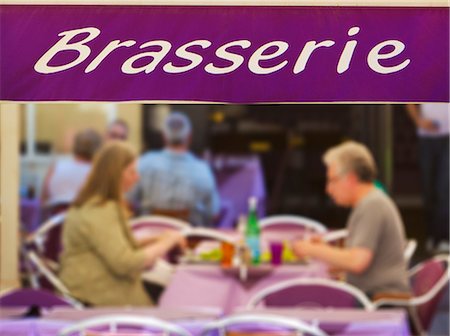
(384, 57)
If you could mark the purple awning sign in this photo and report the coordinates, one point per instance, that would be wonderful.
(224, 54)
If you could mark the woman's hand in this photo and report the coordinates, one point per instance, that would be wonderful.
(166, 242)
(175, 237)
(146, 240)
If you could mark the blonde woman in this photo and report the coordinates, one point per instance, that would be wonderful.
(101, 263)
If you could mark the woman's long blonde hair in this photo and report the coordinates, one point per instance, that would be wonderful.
(105, 178)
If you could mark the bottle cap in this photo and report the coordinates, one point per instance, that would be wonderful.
(252, 201)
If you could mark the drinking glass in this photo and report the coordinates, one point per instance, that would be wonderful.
(227, 254)
(276, 251)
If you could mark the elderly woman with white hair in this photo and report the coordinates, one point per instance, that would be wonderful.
(373, 254)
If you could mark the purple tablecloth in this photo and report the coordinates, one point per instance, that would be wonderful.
(30, 214)
(346, 322)
(31, 327)
(211, 286)
(238, 178)
(176, 314)
(12, 312)
(59, 318)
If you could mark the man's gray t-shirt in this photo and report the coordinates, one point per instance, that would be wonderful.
(375, 224)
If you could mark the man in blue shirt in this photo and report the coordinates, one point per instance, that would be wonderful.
(174, 182)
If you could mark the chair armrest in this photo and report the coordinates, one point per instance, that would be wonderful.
(392, 302)
(332, 236)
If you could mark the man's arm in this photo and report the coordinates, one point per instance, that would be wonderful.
(418, 119)
(354, 260)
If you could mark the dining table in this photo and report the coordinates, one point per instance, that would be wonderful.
(209, 285)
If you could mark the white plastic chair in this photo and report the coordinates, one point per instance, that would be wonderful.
(295, 221)
(42, 262)
(428, 281)
(335, 236)
(45, 244)
(40, 236)
(410, 248)
(205, 239)
(158, 223)
(154, 225)
(114, 322)
(207, 234)
(261, 322)
(51, 277)
(298, 292)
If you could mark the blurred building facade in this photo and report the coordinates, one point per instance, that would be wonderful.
(289, 140)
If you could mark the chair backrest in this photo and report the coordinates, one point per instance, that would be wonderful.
(260, 324)
(281, 227)
(123, 325)
(47, 238)
(45, 244)
(311, 292)
(335, 236)
(180, 214)
(200, 238)
(208, 234)
(428, 282)
(410, 248)
(156, 224)
(27, 297)
(51, 277)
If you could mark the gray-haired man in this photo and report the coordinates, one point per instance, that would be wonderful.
(373, 254)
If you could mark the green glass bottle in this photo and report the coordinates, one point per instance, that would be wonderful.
(252, 232)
